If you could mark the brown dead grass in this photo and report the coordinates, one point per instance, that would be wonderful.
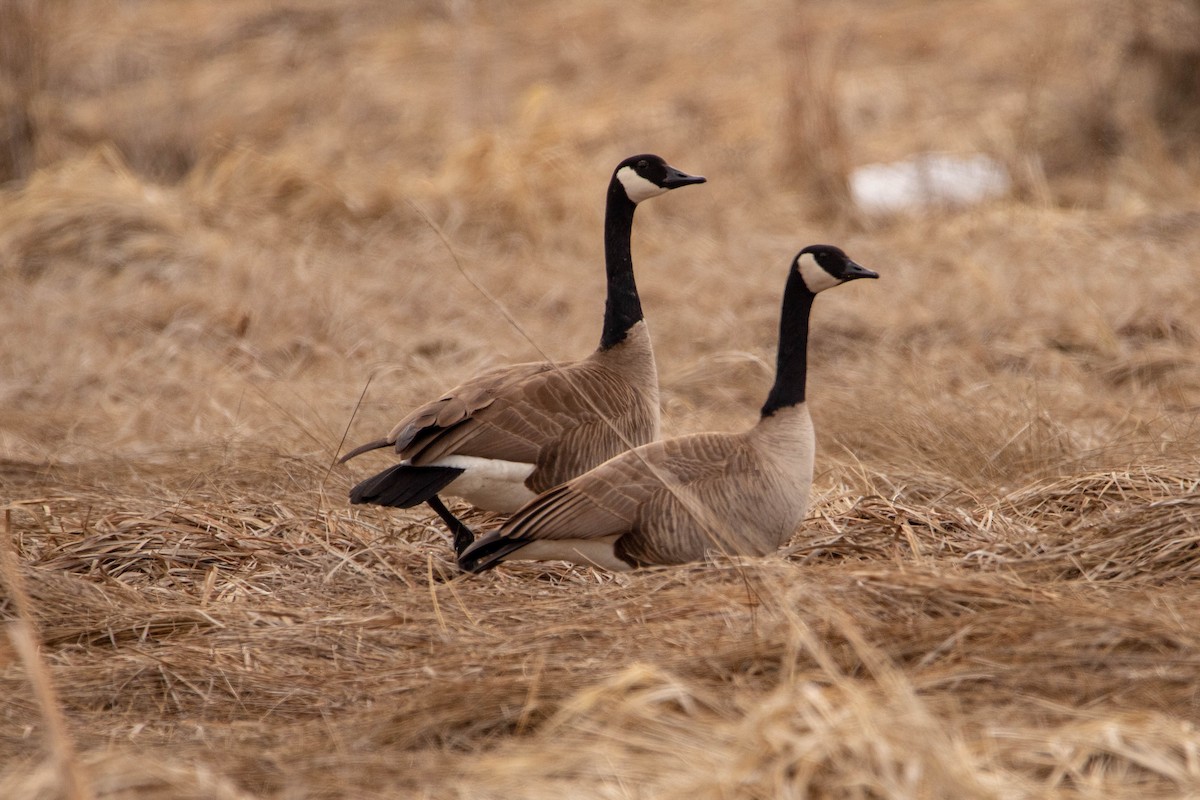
(239, 221)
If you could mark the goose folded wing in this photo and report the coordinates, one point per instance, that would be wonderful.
(564, 419)
(638, 492)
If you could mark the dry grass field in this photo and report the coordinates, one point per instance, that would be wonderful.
(238, 236)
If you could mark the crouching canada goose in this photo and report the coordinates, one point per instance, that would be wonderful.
(502, 437)
(672, 501)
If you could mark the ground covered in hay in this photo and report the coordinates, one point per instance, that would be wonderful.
(237, 237)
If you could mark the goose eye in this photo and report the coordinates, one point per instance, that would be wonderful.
(641, 165)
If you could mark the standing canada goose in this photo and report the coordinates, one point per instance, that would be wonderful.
(670, 502)
(502, 437)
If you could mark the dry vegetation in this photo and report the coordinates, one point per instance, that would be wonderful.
(223, 222)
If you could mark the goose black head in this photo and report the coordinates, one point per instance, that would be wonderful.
(646, 176)
(823, 266)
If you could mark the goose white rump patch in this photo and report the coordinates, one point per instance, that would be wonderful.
(637, 187)
(489, 483)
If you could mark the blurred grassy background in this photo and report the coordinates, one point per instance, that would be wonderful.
(241, 196)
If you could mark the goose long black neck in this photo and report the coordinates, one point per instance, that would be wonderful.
(791, 367)
(623, 308)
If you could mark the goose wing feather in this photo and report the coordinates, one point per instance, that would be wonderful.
(462, 402)
(565, 420)
(671, 500)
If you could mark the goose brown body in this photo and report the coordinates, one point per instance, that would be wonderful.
(560, 419)
(670, 502)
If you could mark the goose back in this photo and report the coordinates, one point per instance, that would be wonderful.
(562, 419)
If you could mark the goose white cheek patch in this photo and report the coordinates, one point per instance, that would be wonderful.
(815, 276)
(637, 187)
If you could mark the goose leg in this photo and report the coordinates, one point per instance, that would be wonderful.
(463, 536)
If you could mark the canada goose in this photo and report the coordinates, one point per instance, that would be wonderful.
(671, 501)
(501, 437)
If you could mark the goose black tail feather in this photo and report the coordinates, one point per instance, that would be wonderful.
(488, 551)
(404, 486)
